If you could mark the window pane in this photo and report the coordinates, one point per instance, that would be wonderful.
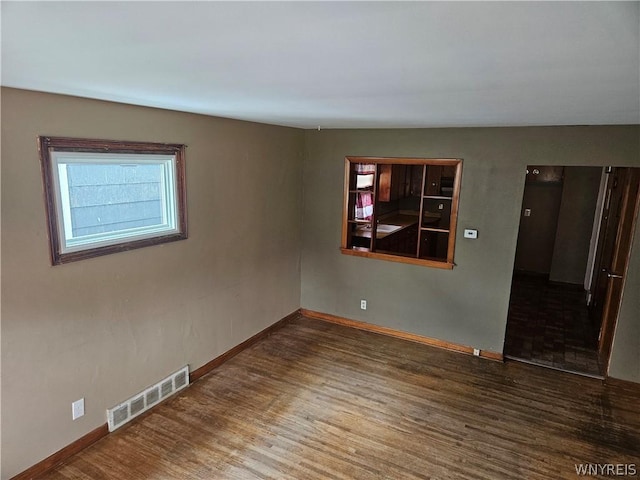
(401, 209)
(110, 198)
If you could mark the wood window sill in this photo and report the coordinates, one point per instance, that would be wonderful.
(363, 252)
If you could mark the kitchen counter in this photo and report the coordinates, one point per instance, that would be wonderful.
(388, 225)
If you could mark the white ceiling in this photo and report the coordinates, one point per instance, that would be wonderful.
(338, 64)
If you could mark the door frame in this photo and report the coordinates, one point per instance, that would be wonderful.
(618, 271)
(625, 231)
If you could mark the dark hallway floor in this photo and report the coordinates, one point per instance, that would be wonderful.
(549, 325)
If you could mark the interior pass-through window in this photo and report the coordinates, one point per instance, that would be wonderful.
(401, 209)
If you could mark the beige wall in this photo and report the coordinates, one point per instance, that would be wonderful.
(467, 305)
(105, 328)
(575, 224)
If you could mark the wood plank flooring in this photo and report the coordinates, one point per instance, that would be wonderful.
(321, 401)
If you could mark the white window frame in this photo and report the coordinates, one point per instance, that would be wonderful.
(63, 205)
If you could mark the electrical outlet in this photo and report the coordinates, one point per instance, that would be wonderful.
(363, 304)
(77, 409)
(527, 212)
(476, 352)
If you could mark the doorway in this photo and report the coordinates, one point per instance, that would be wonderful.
(572, 252)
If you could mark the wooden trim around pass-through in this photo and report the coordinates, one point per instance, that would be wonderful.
(397, 258)
(412, 337)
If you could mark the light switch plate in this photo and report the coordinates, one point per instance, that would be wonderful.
(469, 233)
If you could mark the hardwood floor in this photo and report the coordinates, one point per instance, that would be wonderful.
(317, 400)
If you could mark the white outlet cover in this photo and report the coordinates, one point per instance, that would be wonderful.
(77, 409)
(469, 233)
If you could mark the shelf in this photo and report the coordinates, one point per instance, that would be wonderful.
(363, 191)
(439, 230)
(437, 197)
(358, 221)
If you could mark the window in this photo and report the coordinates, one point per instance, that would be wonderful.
(401, 209)
(105, 196)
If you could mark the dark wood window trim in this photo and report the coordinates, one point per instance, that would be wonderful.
(48, 145)
(348, 246)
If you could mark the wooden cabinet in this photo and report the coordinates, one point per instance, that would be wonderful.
(415, 180)
(408, 240)
(393, 182)
(432, 183)
(439, 180)
(403, 242)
